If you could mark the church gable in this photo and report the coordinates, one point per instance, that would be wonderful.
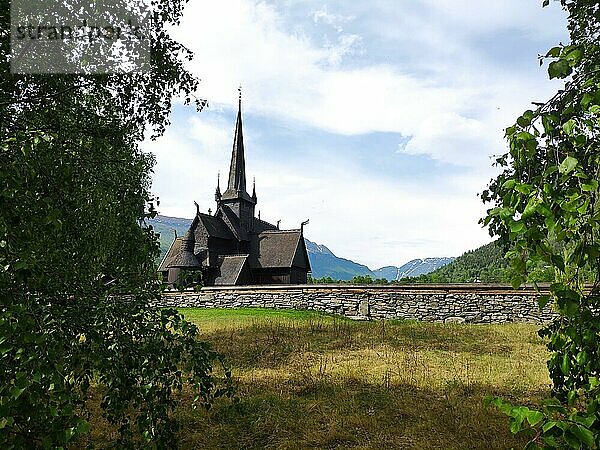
(173, 251)
(232, 222)
(231, 271)
(274, 249)
(260, 225)
(212, 226)
(301, 256)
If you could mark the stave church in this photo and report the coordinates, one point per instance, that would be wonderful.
(232, 246)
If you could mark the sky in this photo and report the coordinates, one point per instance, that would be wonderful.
(377, 120)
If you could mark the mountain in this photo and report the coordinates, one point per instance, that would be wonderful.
(325, 264)
(164, 226)
(322, 260)
(412, 268)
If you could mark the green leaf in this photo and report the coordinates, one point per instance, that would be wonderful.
(571, 439)
(6, 421)
(565, 365)
(583, 208)
(568, 164)
(525, 119)
(551, 441)
(517, 226)
(534, 417)
(523, 188)
(516, 281)
(15, 392)
(509, 184)
(543, 210)
(584, 435)
(548, 122)
(516, 425)
(549, 425)
(525, 136)
(574, 56)
(83, 427)
(69, 433)
(554, 52)
(518, 414)
(531, 208)
(559, 69)
(558, 262)
(571, 397)
(586, 100)
(569, 126)
(592, 185)
(586, 421)
(543, 301)
(570, 308)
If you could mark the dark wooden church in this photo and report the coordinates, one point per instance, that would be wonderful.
(232, 246)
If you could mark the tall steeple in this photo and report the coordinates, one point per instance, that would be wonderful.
(236, 197)
(237, 170)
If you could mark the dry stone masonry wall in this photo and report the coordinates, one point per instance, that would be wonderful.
(439, 303)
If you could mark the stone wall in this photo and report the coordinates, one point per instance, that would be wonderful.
(474, 303)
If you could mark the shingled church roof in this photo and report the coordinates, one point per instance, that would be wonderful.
(230, 270)
(274, 248)
(173, 251)
(185, 258)
(215, 226)
(261, 225)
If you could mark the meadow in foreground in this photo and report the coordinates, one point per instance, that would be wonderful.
(307, 380)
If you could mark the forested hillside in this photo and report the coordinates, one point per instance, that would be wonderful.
(485, 264)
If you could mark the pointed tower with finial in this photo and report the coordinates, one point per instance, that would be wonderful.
(236, 197)
(218, 190)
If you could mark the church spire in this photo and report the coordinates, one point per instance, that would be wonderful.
(236, 198)
(237, 170)
(218, 190)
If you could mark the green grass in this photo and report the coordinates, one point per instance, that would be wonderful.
(307, 380)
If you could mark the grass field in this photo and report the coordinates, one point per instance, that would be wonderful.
(306, 380)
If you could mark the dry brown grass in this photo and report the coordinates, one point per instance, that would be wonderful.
(306, 380)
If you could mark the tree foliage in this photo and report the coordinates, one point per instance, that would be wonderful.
(77, 272)
(546, 209)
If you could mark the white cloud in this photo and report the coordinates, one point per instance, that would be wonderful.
(346, 45)
(212, 137)
(284, 75)
(188, 158)
(335, 20)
